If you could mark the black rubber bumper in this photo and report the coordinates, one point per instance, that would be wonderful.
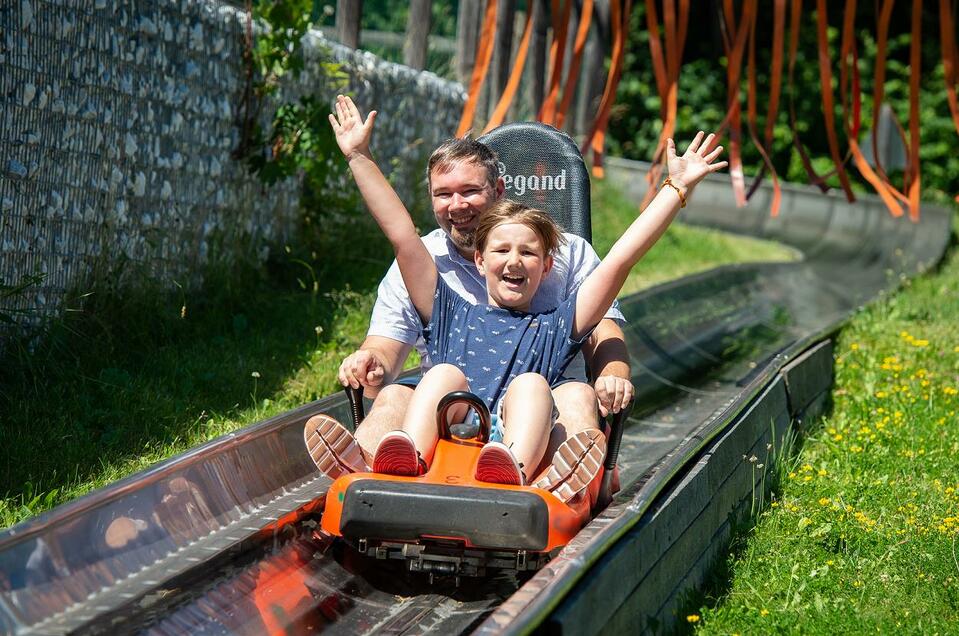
(486, 517)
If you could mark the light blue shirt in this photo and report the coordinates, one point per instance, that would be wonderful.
(395, 317)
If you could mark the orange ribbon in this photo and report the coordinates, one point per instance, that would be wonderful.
(484, 53)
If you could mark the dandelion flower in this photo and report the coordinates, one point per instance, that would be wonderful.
(692, 618)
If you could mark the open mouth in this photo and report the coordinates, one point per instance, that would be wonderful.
(513, 279)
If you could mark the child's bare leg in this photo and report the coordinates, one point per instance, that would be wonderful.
(527, 419)
(420, 420)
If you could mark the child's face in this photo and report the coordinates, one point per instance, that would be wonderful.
(514, 263)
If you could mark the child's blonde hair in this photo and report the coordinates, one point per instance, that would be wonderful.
(509, 211)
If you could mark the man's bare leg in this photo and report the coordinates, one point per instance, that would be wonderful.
(576, 403)
(386, 414)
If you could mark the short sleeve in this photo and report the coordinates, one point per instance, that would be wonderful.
(583, 260)
(394, 315)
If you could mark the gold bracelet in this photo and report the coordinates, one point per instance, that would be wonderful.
(682, 199)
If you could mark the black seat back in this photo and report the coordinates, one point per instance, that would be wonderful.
(542, 168)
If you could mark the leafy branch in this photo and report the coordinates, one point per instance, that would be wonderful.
(299, 131)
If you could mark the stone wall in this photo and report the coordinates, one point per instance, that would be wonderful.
(117, 123)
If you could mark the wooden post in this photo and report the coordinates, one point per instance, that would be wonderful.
(502, 50)
(417, 34)
(348, 14)
(537, 55)
(467, 37)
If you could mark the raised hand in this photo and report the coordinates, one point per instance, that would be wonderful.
(352, 133)
(689, 169)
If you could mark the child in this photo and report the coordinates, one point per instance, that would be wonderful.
(506, 355)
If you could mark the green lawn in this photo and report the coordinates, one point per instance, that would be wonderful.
(146, 376)
(862, 534)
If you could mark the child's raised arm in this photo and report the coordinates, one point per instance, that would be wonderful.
(415, 263)
(600, 288)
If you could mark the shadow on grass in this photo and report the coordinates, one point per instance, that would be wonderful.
(138, 375)
(719, 581)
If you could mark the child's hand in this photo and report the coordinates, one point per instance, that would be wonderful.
(352, 133)
(688, 170)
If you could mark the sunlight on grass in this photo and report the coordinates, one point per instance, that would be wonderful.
(141, 382)
(863, 535)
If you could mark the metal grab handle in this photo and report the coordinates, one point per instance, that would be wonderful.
(355, 396)
(470, 399)
(616, 426)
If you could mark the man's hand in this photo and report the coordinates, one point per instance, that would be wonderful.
(361, 368)
(352, 133)
(613, 393)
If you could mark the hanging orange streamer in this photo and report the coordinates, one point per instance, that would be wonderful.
(825, 81)
(852, 130)
(770, 117)
(950, 58)
(596, 139)
(734, 55)
(484, 53)
(509, 93)
(572, 77)
(547, 112)
(666, 65)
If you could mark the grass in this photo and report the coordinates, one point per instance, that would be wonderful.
(862, 534)
(139, 377)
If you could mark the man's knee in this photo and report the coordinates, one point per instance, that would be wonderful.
(385, 415)
(576, 403)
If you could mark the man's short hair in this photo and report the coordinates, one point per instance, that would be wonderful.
(463, 150)
(509, 211)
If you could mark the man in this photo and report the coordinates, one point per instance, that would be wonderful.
(464, 181)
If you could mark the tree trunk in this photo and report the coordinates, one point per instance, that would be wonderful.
(537, 55)
(348, 14)
(417, 34)
(467, 37)
(502, 50)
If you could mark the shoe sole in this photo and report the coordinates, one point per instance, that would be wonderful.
(396, 455)
(332, 447)
(497, 466)
(575, 464)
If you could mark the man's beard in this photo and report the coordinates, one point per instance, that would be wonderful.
(465, 240)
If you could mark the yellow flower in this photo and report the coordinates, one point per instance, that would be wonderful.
(824, 501)
(693, 618)
(764, 612)
(880, 394)
(854, 346)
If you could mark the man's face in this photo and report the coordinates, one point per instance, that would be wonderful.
(459, 195)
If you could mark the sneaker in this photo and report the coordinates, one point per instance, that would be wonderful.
(497, 465)
(396, 455)
(332, 447)
(576, 462)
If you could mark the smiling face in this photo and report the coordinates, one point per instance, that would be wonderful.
(514, 262)
(459, 193)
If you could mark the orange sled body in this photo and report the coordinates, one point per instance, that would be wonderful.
(446, 522)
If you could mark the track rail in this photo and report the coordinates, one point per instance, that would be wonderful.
(223, 537)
